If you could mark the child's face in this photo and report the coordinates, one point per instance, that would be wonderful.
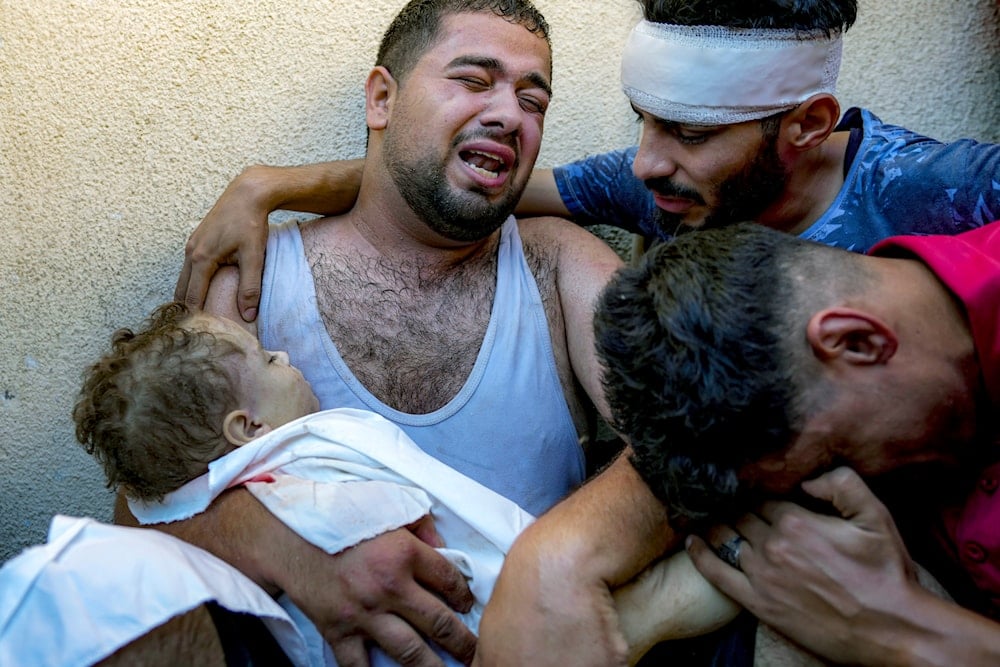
(266, 384)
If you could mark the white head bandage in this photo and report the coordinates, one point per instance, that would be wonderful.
(712, 75)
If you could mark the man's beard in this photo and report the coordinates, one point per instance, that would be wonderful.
(459, 216)
(742, 197)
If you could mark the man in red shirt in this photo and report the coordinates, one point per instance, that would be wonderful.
(795, 371)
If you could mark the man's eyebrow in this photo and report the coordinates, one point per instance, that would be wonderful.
(656, 119)
(494, 65)
(673, 124)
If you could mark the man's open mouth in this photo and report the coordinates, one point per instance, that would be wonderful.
(486, 164)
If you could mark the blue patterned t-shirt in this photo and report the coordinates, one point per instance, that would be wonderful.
(899, 182)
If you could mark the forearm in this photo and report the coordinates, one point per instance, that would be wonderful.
(552, 604)
(608, 531)
(240, 531)
(923, 629)
(326, 188)
(541, 196)
(670, 600)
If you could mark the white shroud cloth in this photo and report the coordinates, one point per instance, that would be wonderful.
(336, 478)
(342, 476)
(93, 588)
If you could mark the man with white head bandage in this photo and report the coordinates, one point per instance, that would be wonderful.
(685, 74)
(741, 123)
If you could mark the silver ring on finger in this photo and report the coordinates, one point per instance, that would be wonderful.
(729, 551)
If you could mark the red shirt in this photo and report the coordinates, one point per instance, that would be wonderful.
(969, 265)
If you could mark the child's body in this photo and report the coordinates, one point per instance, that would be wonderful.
(342, 476)
(193, 405)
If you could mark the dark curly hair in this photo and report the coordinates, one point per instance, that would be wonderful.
(690, 340)
(417, 26)
(806, 15)
(151, 409)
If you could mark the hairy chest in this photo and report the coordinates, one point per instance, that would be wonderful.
(411, 335)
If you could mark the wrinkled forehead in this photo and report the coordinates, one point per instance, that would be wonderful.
(484, 34)
(713, 75)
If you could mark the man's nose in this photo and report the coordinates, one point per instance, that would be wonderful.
(503, 110)
(654, 158)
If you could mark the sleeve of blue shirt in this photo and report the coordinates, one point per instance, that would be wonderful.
(901, 182)
(958, 186)
(601, 190)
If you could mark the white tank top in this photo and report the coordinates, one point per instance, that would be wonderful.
(509, 426)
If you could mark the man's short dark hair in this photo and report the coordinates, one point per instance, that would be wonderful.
(690, 342)
(416, 28)
(705, 363)
(828, 15)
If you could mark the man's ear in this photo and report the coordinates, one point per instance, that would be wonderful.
(239, 427)
(850, 335)
(809, 124)
(380, 91)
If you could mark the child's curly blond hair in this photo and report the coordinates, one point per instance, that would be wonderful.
(152, 409)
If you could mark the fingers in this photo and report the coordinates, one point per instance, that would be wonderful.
(201, 264)
(421, 617)
(197, 278)
(446, 630)
(846, 491)
(420, 604)
(350, 652)
(180, 289)
(403, 629)
(405, 646)
(436, 573)
(778, 530)
(197, 272)
(720, 574)
(392, 590)
(233, 232)
(251, 264)
(199, 269)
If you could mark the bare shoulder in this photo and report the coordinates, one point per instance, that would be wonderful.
(578, 262)
(573, 245)
(555, 230)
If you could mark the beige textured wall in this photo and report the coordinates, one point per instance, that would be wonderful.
(122, 120)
